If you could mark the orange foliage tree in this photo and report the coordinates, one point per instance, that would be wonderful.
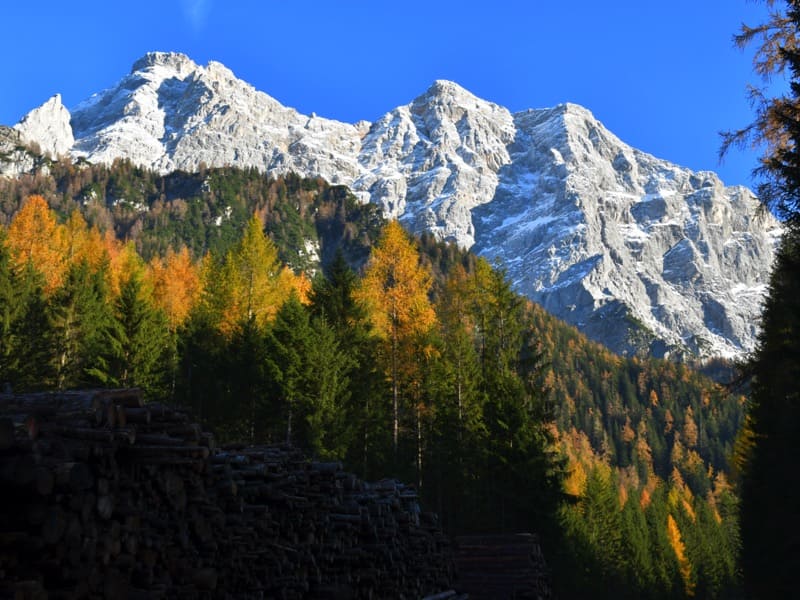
(251, 284)
(176, 285)
(36, 238)
(674, 535)
(395, 291)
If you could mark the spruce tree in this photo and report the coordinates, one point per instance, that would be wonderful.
(333, 301)
(247, 398)
(24, 330)
(144, 343)
(770, 510)
(308, 378)
(81, 324)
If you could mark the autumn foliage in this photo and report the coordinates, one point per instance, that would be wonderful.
(425, 365)
(35, 238)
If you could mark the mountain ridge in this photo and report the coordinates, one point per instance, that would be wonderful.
(641, 254)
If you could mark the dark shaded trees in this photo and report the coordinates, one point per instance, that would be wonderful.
(309, 380)
(81, 328)
(361, 428)
(770, 485)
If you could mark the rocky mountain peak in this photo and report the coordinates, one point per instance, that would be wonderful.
(172, 60)
(218, 71)
(446, 100)
(49, 127)
(639, 253)
(443, 91)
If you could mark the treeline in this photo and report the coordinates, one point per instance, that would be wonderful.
(424, 365)
(308, 219)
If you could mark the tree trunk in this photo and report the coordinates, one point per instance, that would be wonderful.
(419, 446)
(289, 425)
(395, 387)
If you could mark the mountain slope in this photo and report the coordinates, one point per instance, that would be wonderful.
(642, 255)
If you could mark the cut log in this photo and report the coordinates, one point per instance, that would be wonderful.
(118, 498)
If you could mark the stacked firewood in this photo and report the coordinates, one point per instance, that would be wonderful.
(104, 496)
(498, 567)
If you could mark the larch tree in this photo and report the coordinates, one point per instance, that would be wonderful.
(83, 243)
(176, 285)
(676, 541)
(395, 288)
(254, 281)
(35, 237)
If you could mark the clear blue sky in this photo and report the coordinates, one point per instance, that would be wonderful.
(663, 76)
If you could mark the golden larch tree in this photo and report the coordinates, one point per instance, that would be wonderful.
(36, 238)
(395, 291)
(84, 243)
(674, 535)
(253, 283)
(176, 285)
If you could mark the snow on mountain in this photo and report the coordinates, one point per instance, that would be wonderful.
(430, 163)
(635, 251)
(639, 253)
(170, 113)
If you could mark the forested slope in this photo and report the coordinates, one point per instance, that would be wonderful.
(422, 363)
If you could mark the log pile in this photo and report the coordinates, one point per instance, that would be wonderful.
(499, 567)
(104, 496)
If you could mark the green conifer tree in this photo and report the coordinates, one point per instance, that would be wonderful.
(770, 521)
(309, 376)
(145, 345)
(332, 299)
(82, 328)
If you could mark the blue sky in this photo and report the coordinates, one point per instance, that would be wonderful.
(663, 76)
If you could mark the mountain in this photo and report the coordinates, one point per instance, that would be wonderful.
(642, 255)
(48, 126)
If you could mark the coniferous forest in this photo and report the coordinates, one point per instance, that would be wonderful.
(284, 311)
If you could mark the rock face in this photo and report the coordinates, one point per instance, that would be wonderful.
(49, 127)
(641, 254)
(637, 252)
(432, 162)
(170, 113)
(15, 158)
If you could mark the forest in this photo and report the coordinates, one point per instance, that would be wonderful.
(282, 311)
